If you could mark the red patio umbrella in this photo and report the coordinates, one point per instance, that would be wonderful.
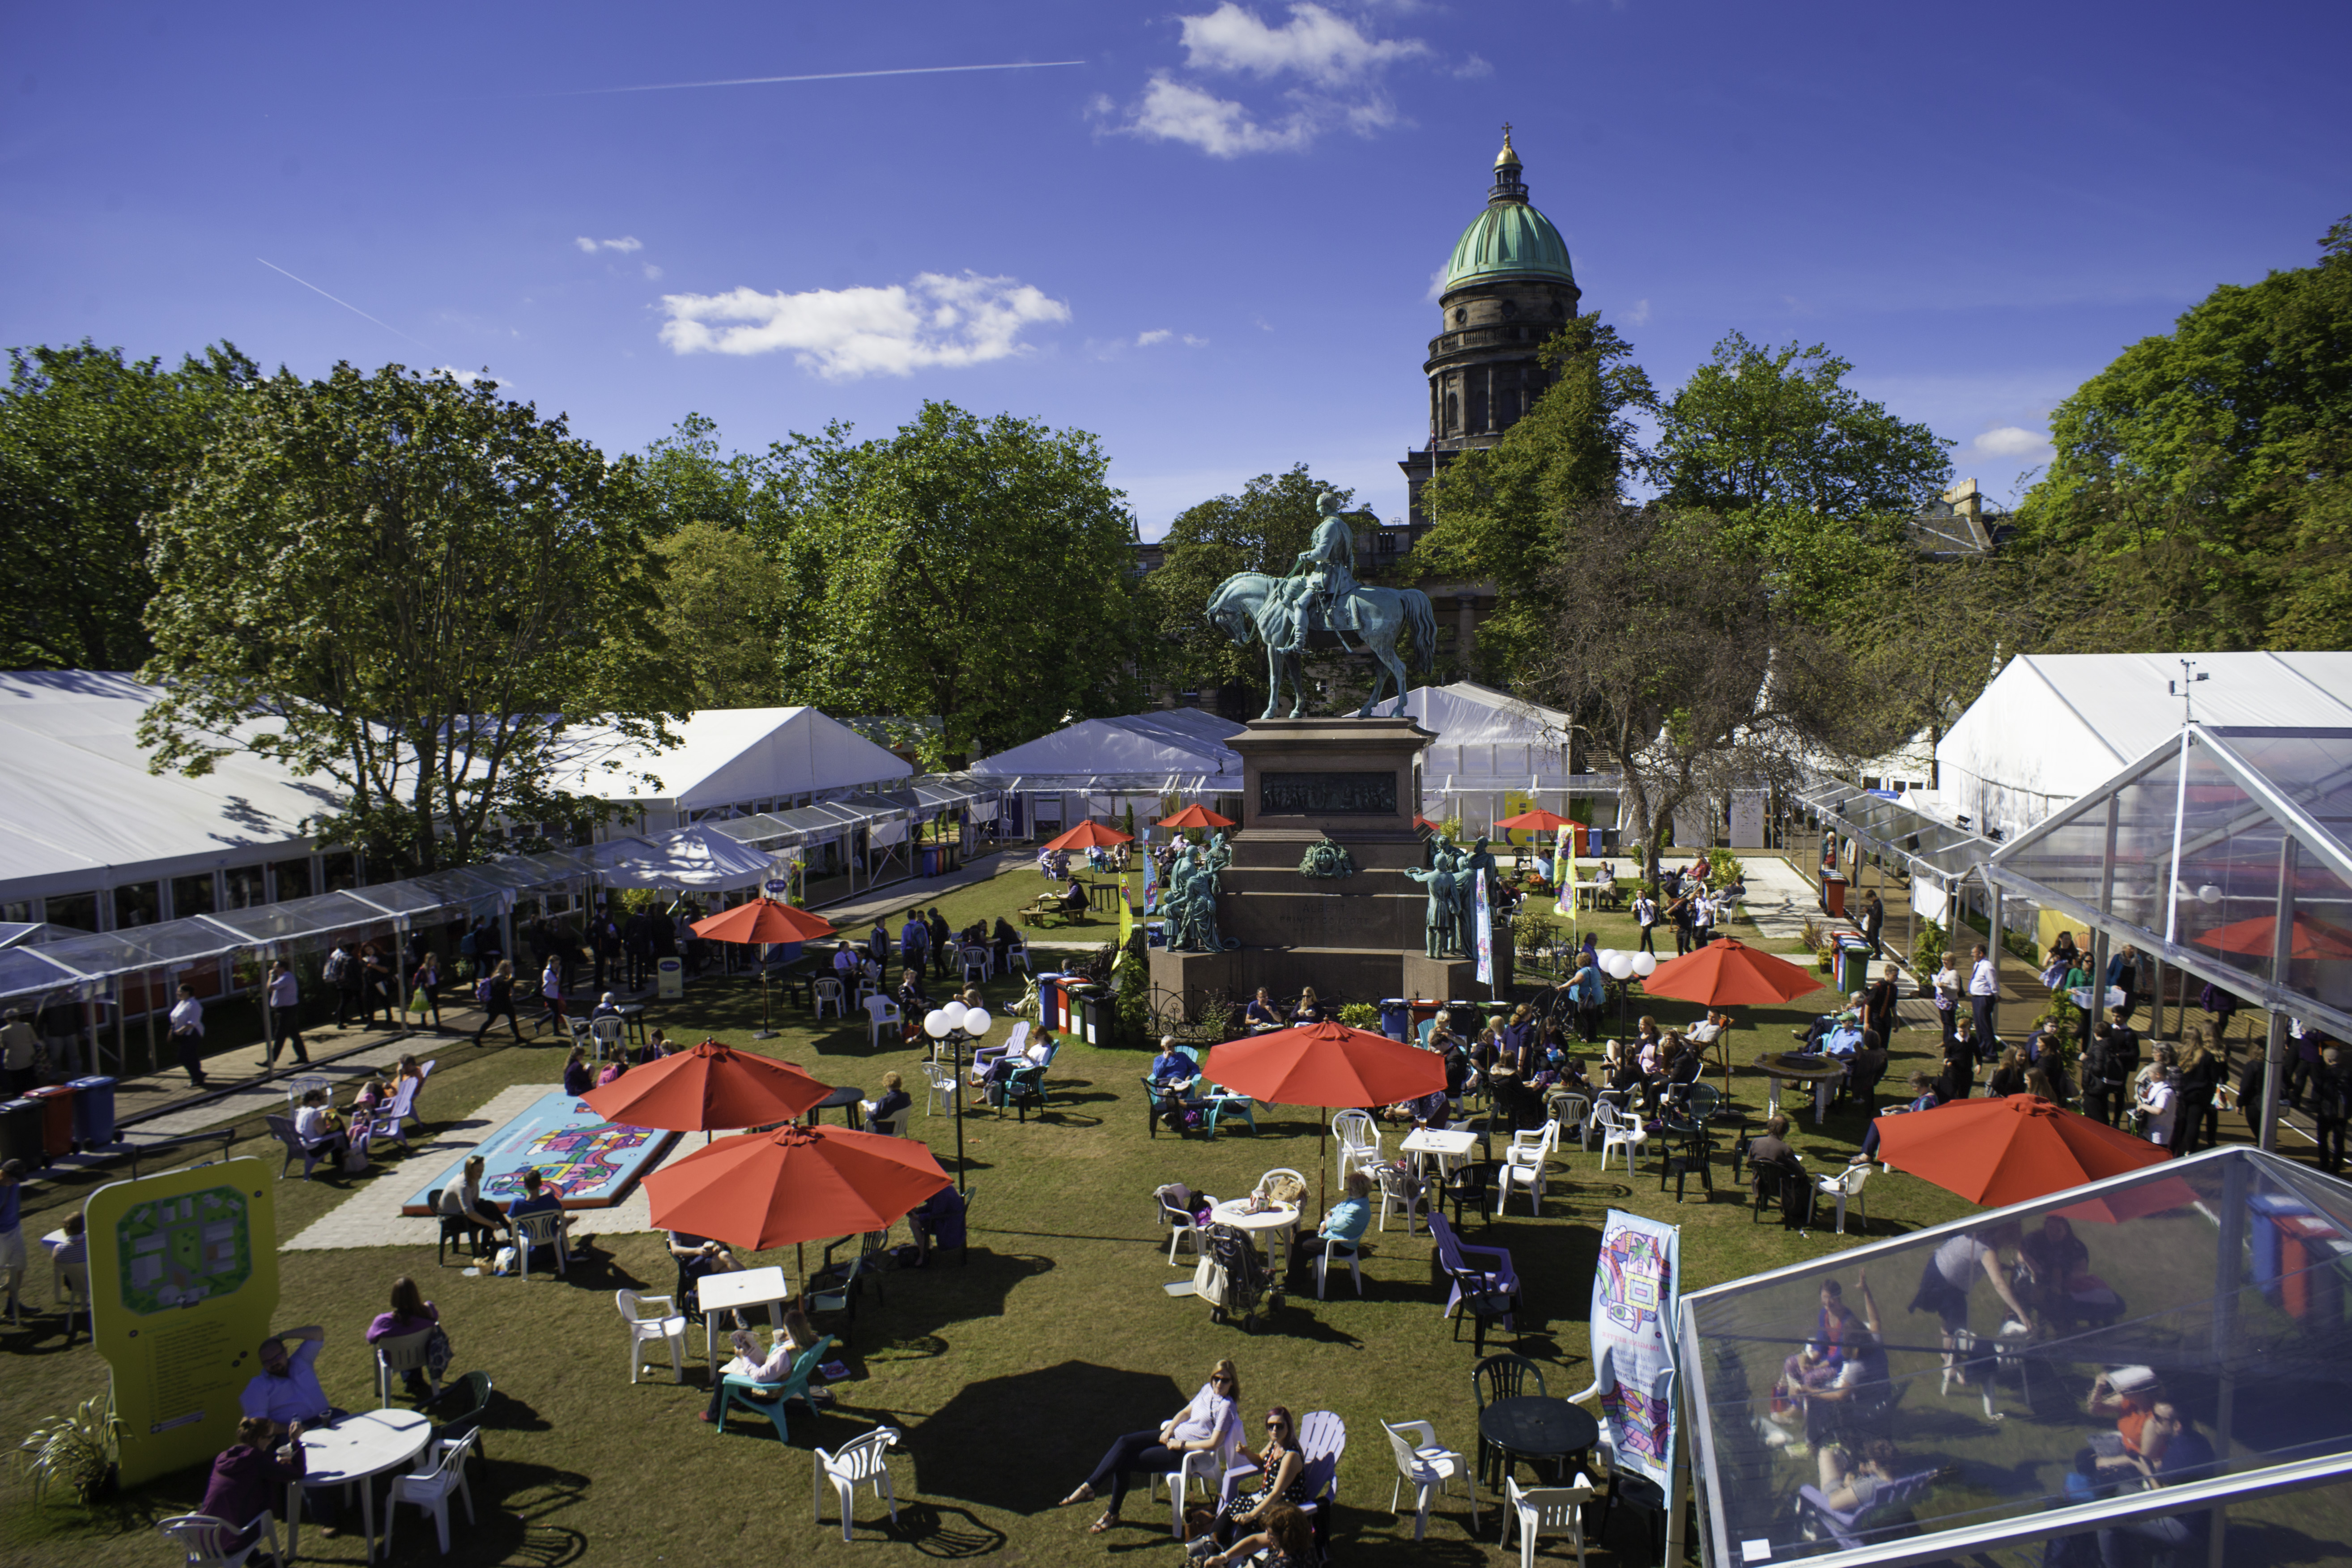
(1196, 815)
(1728, 972)
(2306, 938)
(1330, 1066)
(1422, 822)
(712, 1088)
(762, 921)
(1538, 820)
(762, 1190)
(2007, 1150)
(1087, 835)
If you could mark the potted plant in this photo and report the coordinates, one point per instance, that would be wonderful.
(82, 1450)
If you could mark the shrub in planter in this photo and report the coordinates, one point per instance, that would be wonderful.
(80, 1449)
(1361, 1015)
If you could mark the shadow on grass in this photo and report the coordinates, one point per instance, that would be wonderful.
(960, 1449)
(950, 1533)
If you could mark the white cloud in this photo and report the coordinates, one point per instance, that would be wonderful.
(1472, 67)
(624, 245)
(1639, 314)
(2009, 441)
(653, 273)
(469, 377)
(1178, 111)
(844, 333)
(1333, 67)
(1326, 50)
(1156, 336)
(1192, 343)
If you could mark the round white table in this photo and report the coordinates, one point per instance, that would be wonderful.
(354, 1450)
(1275, 1221)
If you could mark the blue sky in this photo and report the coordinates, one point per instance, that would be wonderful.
(1211, 241)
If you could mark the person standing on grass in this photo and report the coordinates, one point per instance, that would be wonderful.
(1873, 921)
(342, 971)
(425, 989)
(914, 945)
(943, 943)
(551, 996)
(1984, 986)
(496, 993)
(18, 1048)
(1646, 917)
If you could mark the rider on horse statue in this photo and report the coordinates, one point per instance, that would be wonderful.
(1324, 576)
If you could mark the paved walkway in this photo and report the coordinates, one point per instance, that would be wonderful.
(371, 1216)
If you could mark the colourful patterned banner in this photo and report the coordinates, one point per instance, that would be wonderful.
(1633, 1291)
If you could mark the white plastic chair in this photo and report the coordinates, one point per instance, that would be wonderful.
(861, 1459)
(940, 1078)
(1545, 1510)
(543, 1228)
(1885, 1167)
(1180, 1223)
(440, 1471)
(582, 1036)
(1848, 1183)
(1525, 1164)
(1619, 1129)
(1573, 1112)
(881, 1010)
(1353, 1251)
(894, 1126)
(1214, 1469)
(827, 990)
(1428, 1467)
(1360, 1141)
(1016, 952)
(399, 1354)
(606, 1036)
(668, 1323)
(977, 963)
(69, 1289)
(1397, 1191)
(200, 1536)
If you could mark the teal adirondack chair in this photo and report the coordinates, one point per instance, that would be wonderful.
(1026, 1086)
(769, 1399)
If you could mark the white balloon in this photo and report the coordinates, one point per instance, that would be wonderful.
(1619, 966)
(976, 1021)
(1645, 964)
(935, 1024)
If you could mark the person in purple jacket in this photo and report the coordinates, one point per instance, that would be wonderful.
(248, 1480)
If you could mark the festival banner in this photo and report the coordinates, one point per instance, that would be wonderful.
(1485, 934)
(1565, 907)
(1126, 916)
(1634, 1287)
(182, 1281)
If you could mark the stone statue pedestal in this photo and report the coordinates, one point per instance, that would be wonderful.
(1359, 937)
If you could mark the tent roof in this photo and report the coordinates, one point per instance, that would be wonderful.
(1468, 714)
(1182, 748)
(81, 811)
(727, 756)
(2058, 724)
(2206, 1257)
(698, 858)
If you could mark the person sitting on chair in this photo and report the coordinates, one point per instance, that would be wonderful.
(1851, 1485)
(937, 1221)
(248, 1480)
(1771, 1152)
(1287, 1542)
(1260, 1015)
(785, 1347)
(698, 1257)
(579, 1077)
(1345, 1222)
(1206, 1425)
(462, 1199)
(1174, 1071)
(894, 1102)
(538, 1197)
(286, 1390)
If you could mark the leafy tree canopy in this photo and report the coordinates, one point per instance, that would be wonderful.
(90, 444)
(2201, 479)
(429, 595)
(975, 570)
(722, 600)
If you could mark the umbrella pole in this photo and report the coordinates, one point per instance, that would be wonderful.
(767, 1030)
(1322, 1158)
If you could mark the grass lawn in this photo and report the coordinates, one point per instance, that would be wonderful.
(1008, 1377)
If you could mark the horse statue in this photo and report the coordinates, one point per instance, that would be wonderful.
(1252, 602)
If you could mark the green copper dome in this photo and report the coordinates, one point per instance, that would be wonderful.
(1510, 239)
(1507, 240)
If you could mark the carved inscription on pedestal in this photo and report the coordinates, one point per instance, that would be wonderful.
(1327, 794)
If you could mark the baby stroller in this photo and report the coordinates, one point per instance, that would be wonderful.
(1241, 1275)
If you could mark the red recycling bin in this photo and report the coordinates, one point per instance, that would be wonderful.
(56, 1119)
(2309, 1288)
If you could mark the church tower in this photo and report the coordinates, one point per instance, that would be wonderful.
(1508, 287)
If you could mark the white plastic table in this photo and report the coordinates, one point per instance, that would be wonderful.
(1444, 1146)
(1275, 1221)
(732, 1292)
(354, 1450)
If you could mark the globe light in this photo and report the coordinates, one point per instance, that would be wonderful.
(1645, 964)
(976, 1021)
(953, 1012)
(935, 1024)
(2208, 894)
(1619, 965)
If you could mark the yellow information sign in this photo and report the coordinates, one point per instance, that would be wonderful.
(182, 1281)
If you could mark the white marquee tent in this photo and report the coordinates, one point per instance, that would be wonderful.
(1495, 753)
(731, 761)
(2051, 728)
(1085, 768)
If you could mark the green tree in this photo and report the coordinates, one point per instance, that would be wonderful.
(90, 444)
(978, 571)
(2199, 481)
(1498, 510)
(407, 585)
(722, 602)
(686, 478)
(1261, 530)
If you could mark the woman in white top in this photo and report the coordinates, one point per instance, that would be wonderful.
(1206, 1425)
(795, 1337)
(551, 992)
(2158, 1098)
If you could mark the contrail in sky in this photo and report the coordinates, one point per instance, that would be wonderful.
(346, 304)
(820, 75)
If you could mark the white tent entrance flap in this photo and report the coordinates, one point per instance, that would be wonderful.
(886, 833)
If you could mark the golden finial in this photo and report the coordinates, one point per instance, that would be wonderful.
(1507, 155)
